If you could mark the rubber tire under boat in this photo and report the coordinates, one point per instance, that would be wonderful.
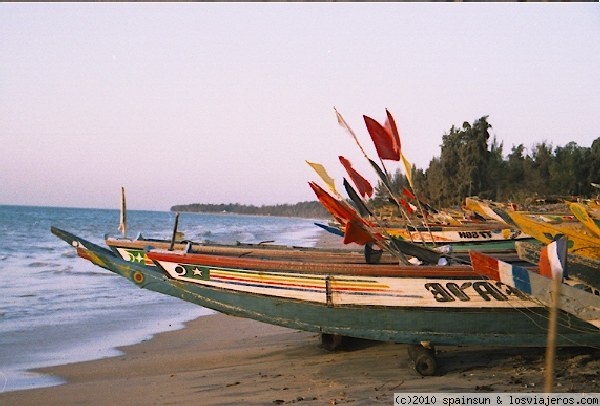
(423, 360)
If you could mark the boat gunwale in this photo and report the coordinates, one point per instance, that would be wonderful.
(363, 269)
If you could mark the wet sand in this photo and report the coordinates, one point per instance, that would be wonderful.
(224, 360)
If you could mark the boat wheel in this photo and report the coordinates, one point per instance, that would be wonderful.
(331, 342)
(422, 359)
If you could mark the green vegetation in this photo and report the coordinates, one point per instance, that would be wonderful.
(469, 165)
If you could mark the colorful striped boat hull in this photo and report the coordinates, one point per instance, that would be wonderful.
(411, 306)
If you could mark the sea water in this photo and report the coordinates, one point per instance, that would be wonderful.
(56, 308)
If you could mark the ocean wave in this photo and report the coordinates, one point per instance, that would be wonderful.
(42, 264)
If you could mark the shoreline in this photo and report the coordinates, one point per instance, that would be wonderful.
(218, 359)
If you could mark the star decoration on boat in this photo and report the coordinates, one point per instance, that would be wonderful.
(197, 272)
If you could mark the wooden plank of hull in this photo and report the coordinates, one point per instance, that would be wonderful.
(507, 326)
(351, 268)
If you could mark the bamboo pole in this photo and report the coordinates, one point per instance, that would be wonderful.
(551, 341)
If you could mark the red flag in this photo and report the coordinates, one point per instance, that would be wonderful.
(363, 185)
(409, 195)
(386, 139)
(407, 206)
(355, 231)
(333, 206)
(390, 126)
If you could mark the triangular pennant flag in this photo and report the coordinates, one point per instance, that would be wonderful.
(355, 231)
(343, 123)
(335, 207)
(553, 259)
(381, 175)
(408, 170)
(363, 185)
(408, 194)
(407, 206)
(385, 143)
(390, 126)
(360, 205)
(320, 170)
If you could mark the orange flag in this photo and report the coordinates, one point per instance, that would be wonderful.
(363, 185)
(386, 138)
(355, 229)
(333, 206)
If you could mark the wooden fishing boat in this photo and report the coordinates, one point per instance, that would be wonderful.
(488, 237)
(494, 237)
(484, 208)
(545, 230)
(424, 306)
(586, 216)
(135, 250)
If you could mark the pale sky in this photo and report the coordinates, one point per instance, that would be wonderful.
(224, 102)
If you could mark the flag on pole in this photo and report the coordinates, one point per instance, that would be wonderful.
(364, 187)
(322, 172)
(386, 138)
(343, 123)
(553, 259)
(355, 229)
(390, 126)
(408, 170)
(381, 175)
(407, 206)
(333, 206)
(408, 194)
(363, 210)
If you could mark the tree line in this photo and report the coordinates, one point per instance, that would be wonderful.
(472, 164)
(312, 209)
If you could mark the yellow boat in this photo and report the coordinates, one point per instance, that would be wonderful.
(547, 229)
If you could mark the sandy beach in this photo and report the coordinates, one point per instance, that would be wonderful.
(224, 360)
